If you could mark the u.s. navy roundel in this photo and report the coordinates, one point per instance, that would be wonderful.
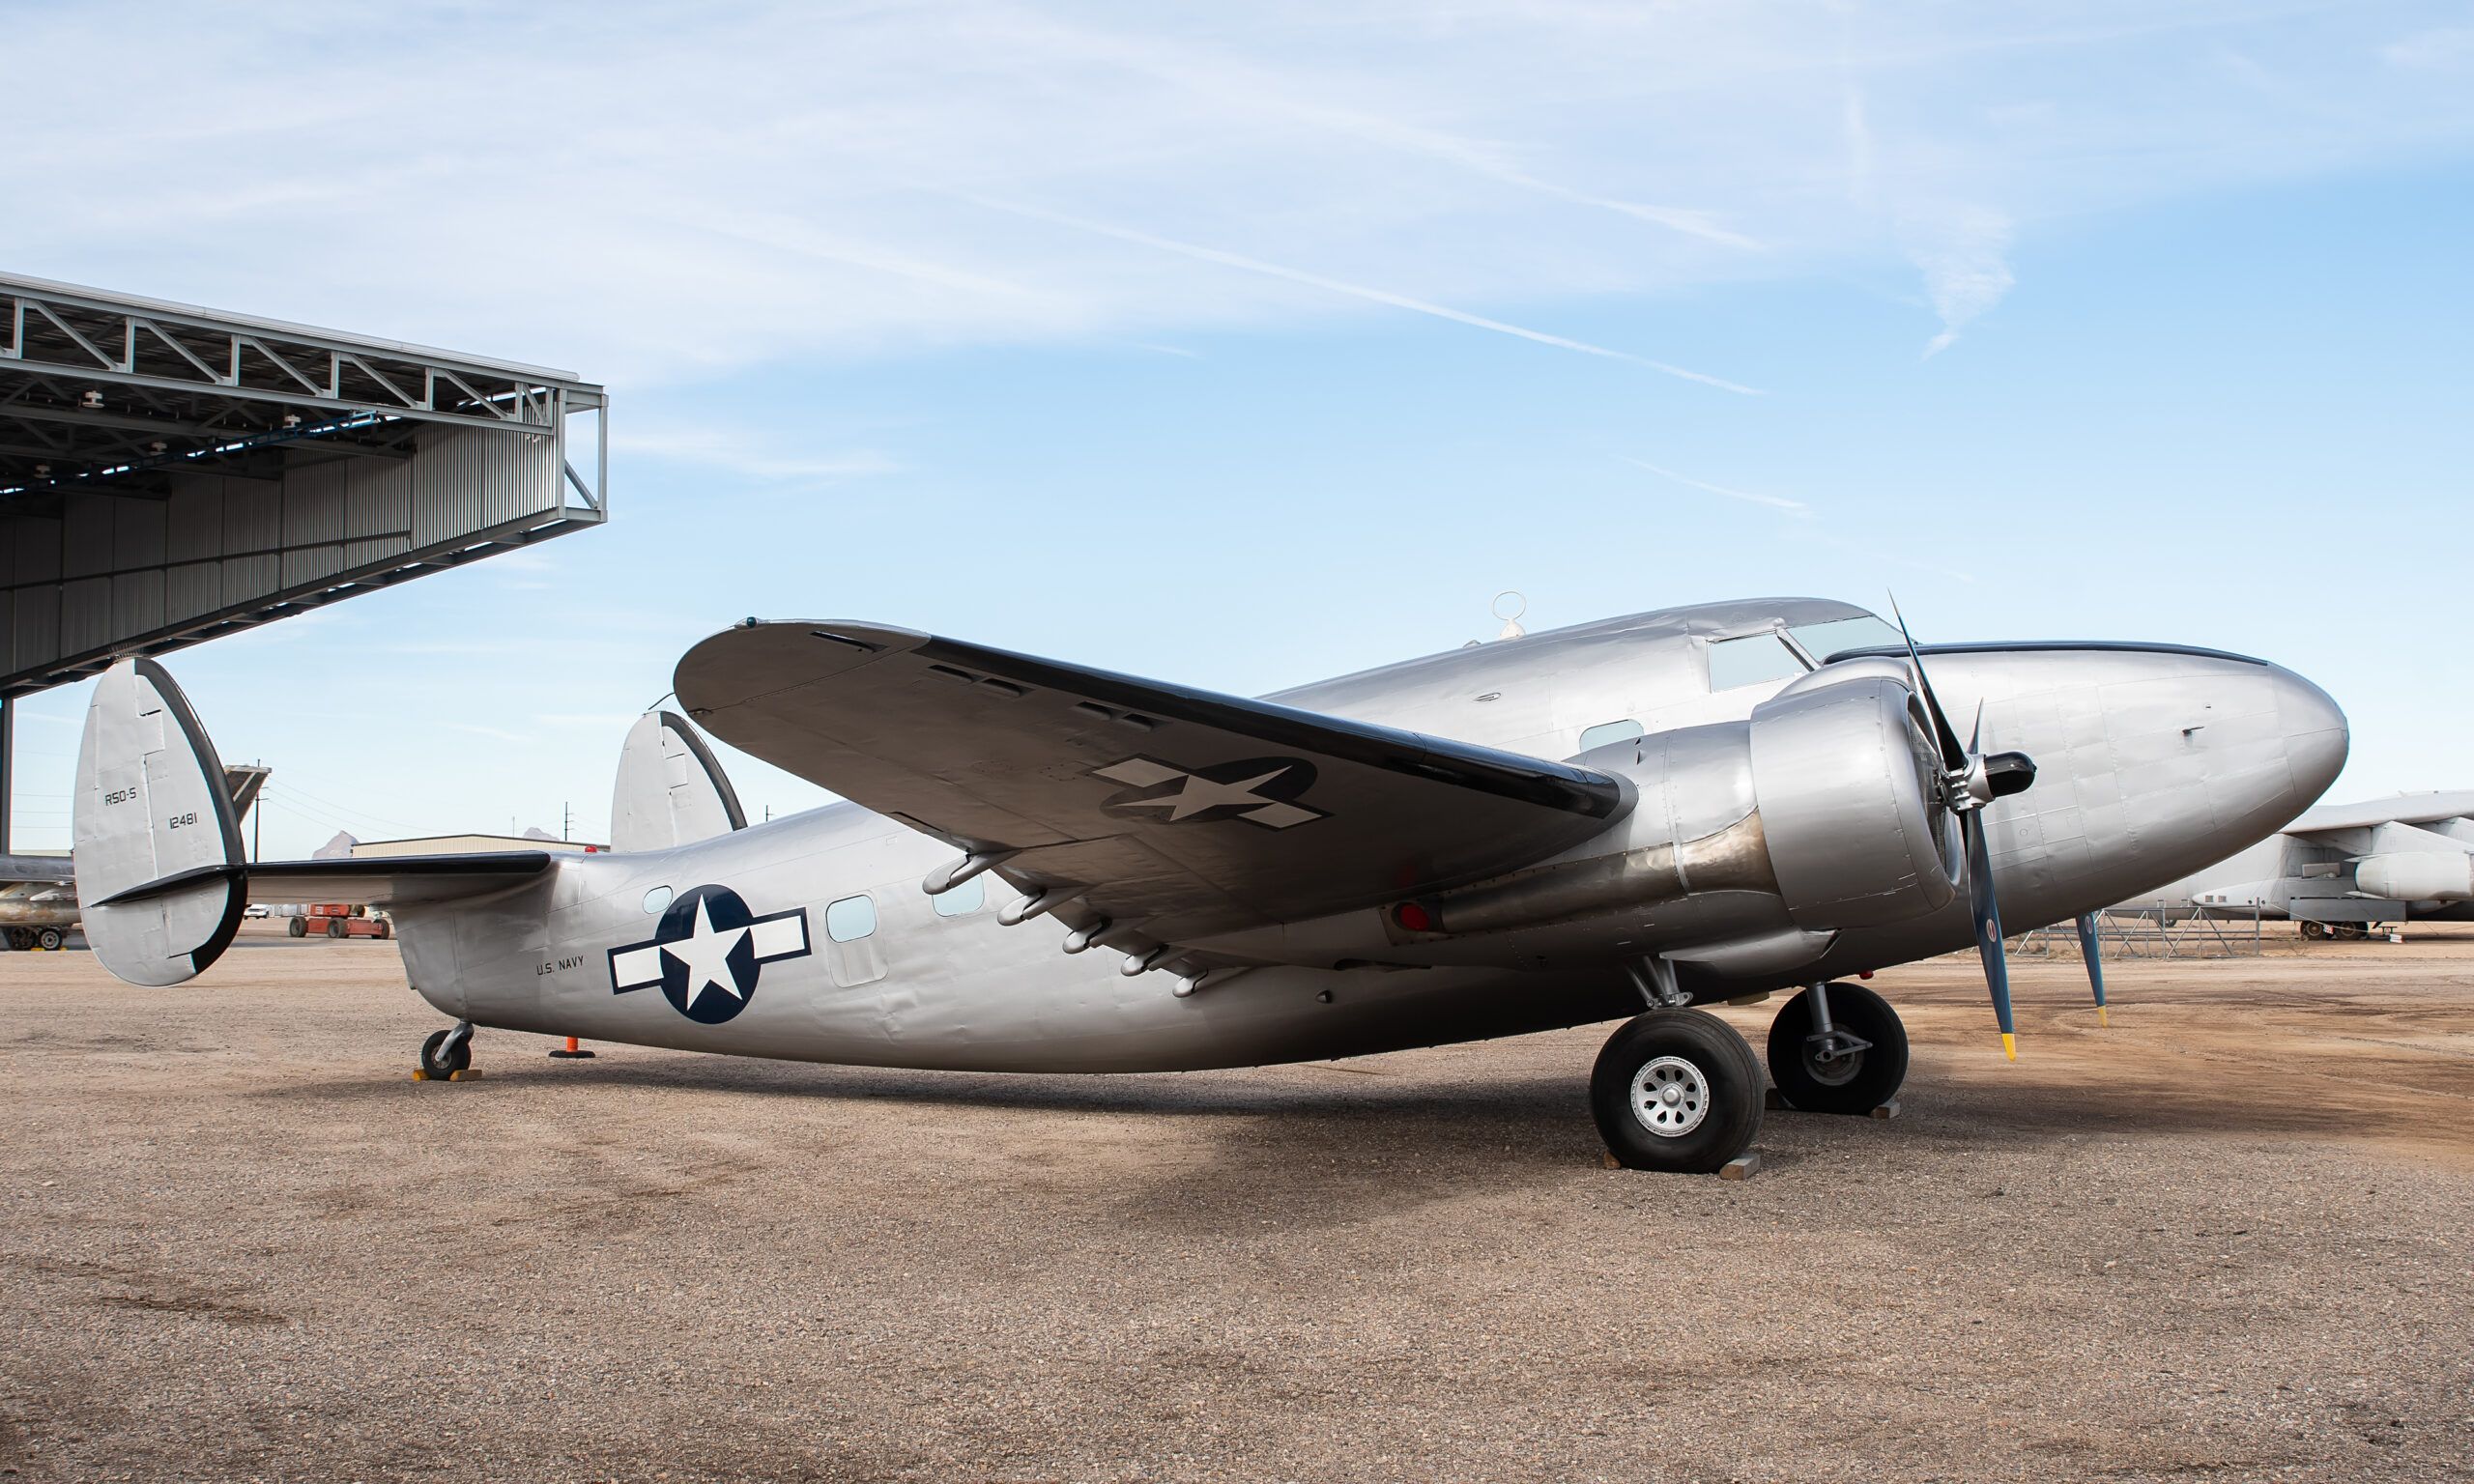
(708, 951)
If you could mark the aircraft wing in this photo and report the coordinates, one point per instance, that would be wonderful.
(1187, 812)
(2371, 814)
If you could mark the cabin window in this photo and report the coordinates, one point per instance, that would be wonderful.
(1840, 635)
(1604, 732)
(658, 899)
(963, 900)
(850, 919)
(1752, 660)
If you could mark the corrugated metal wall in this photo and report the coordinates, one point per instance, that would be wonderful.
(110, 570)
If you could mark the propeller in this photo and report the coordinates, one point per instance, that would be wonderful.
(2092, 952)
(1970, 779)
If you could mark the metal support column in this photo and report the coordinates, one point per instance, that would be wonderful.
(7, 769)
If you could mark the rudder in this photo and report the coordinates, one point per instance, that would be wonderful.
(150, 804)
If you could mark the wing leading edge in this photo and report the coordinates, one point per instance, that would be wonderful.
(1189, 812)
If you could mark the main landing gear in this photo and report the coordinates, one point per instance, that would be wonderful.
(1837, 1048)
(1678, 1090)
(448, 1055)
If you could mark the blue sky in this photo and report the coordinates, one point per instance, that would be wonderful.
(1252, 345)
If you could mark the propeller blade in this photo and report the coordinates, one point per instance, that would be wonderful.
(1953, 757)
(1987, 928)
(2090, 951)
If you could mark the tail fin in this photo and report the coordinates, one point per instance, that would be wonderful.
(150, 804)
(671, 789)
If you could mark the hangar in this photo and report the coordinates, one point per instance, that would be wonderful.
(170, 473)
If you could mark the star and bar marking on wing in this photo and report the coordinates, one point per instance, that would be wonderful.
(708, 953)
(1259, 791)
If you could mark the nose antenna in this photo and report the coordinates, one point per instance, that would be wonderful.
(1512, 620)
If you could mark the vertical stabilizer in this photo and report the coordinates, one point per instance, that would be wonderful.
(150, 804)
(671, 789)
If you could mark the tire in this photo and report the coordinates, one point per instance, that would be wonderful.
(296, 927)
(1713, 1071)
(440, 1060)
(21, 940)
(2313, 931)
(335, 928)
(48, 939)
(1849, 1084)
(386, 930)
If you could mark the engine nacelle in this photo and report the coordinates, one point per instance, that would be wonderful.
(2417, 875)
(1848, 779)
(1827, 798)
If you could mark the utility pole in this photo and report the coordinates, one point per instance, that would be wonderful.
(257, 821)
(566, 820)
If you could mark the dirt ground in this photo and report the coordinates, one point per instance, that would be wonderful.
(2229, 1235)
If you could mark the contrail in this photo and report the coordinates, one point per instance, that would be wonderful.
(1774, 502)
(1359, 291)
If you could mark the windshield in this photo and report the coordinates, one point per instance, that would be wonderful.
(1840, 635)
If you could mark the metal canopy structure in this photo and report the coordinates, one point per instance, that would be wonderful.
(170, 473)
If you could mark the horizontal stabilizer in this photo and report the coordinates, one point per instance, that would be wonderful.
(374, 881)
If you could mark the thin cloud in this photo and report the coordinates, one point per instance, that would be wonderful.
(1748, 497)
(1376, 296)
(757, 456)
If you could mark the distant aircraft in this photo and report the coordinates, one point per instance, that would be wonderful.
(2343, 868)
(38, 893)
(1758, 795)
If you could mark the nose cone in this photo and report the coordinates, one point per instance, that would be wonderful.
(2316, 735)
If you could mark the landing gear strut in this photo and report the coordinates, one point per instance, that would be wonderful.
(1676, 1090)
(1837, 1048)
(448, 1052)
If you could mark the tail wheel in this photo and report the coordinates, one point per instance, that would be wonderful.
(1851, 1081)
(448, 1051)
(1676, 1090)
(48, 939)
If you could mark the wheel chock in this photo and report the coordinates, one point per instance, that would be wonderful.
(465, 1076)
(420, 1075)
(1886, 1111)
(1743, 1166)
(1772, 1102)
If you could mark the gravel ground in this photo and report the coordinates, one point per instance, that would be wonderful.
(2229, 1237)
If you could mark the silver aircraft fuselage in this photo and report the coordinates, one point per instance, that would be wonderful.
(2151, 763)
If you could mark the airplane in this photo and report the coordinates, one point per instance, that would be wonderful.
(38, 893)
(2340, 869)
(1627, 819)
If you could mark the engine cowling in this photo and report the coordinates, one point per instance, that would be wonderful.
(2417, 875)
(1847, 781)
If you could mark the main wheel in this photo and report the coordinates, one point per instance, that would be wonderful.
(2313, 929)
(21, 939)
(1676, 1090)
(1857, 1082)
(297, 927)
(48, 939)
(446, 1052)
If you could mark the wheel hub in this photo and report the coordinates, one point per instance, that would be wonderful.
(1670, 1096)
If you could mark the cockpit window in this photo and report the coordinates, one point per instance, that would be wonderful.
(1840, 635)
(1752, 660)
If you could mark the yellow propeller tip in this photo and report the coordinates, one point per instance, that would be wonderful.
(2009, 1045)
(2100, 1016)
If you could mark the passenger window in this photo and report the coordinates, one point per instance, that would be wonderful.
(850, 919)
(1604, 732)
(1752, 660)
(658, 899)
(962, 901)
